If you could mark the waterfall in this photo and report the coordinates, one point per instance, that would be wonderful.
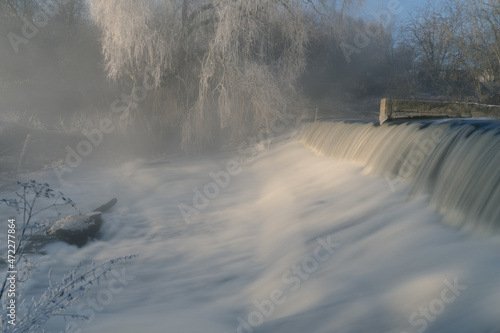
(456, 162)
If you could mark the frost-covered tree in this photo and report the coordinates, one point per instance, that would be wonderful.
(220, 66)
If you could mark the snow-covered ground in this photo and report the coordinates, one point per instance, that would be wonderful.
(293, 243)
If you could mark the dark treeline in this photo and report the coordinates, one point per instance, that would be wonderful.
(233, 67)
(448, 49)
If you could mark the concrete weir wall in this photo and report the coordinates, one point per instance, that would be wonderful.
(391, 109)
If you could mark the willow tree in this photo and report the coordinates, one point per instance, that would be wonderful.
(216, 66)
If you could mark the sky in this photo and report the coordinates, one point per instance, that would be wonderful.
(406, 6)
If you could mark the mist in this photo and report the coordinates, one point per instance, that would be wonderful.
(219, 166)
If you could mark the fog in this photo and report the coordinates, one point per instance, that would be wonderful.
(245, 217)
(54, 76)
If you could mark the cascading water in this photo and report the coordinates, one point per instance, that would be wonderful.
(456, 161)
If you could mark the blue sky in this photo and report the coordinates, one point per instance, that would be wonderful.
(406, 5)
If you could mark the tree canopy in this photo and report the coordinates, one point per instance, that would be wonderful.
(221, 66)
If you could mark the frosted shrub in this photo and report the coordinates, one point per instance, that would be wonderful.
(32, 314)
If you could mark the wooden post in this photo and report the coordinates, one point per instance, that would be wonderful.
(385, 110)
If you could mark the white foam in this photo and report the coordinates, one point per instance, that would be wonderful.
(392, 257)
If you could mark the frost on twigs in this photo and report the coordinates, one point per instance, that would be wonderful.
(34, 313)
(215, 66)
(32, 199)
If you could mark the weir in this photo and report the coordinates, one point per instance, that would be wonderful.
(455, 162)
(391, 109)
